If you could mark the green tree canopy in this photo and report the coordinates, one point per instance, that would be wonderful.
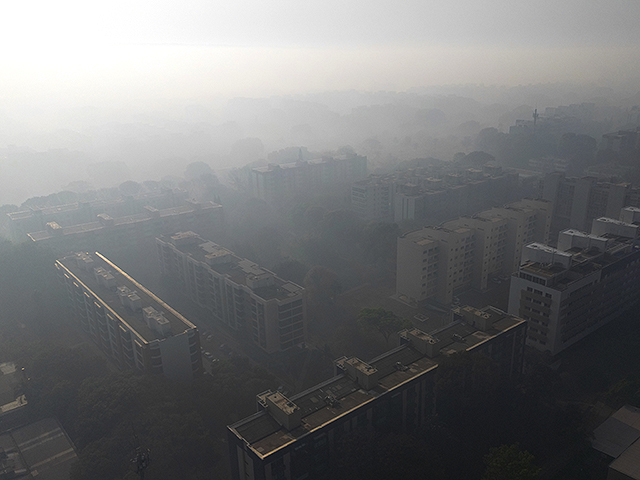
(385, 322)
(508, 462)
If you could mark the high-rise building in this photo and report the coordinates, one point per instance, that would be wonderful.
(568, 292)
(130, 324)
(297, 437)
(434, 263)
(372, 199)
(577, 201)
(443, 192)
(237, 291)
(277, 182)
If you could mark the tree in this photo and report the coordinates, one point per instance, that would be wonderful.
(291, 270)
(130, 188)
(379, 241)
(322, 285)
(382, 321)
(508, 462)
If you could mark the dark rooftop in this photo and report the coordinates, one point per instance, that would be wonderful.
(41, 448)
(265, 435)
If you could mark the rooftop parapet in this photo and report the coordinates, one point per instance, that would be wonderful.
(603, 225)
(539, 253)
(630, 215)
(569, 239)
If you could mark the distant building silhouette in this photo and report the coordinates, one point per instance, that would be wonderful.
(278, 182)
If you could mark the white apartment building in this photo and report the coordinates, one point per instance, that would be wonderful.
(434, 262)
(130, 324)
(567, 293)
(429, 261)
(237, 291)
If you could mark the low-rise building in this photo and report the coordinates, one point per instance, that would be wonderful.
(109, 234)
(296, 437)
(23, 222)
(39, 450)
(237, 291)
(130, 324)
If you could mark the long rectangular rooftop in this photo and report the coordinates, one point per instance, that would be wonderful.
(225, 262)
(110, 298)
(105, 219)
(340, 395)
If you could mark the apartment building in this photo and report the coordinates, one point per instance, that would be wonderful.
(527, 221)
(109, 234)
(490, 246)
(441, 192)
(434, 263)
(577, 201)
(297, 437)
(237, 291)
(372, 199)
(277, 182)
(23, 222)
(568, 292)
(130, 324)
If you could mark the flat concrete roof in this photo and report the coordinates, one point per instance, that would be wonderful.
(238, 269)
(265, 435)
(41, 450)
(110, 297)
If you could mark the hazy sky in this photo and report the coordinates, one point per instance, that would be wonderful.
(85, 52)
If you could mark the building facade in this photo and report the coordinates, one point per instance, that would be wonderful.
(440, 192)
(130, 324)
(24, 222)
(567, 293)
(278, 182)
(237, 291)
(372, 199)
(110, 234)
(578, 201)
(297, 438)
(434, 263)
